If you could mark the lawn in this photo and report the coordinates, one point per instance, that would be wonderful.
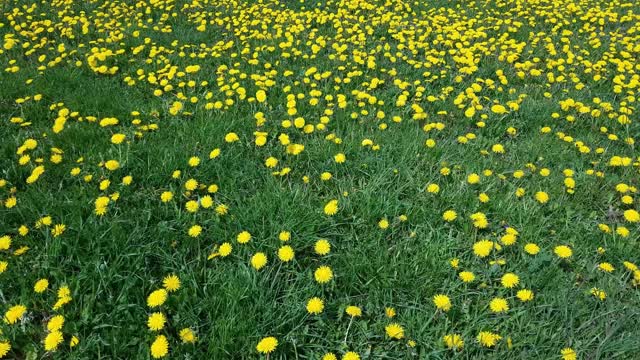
(331, 179)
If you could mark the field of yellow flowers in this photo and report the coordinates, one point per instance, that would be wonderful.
(319, 179)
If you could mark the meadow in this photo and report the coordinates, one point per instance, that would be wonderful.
(331, 179)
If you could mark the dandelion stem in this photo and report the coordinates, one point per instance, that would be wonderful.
(347, 333)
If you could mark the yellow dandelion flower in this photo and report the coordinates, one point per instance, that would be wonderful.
(188, 336)
(353, 311)
(499, 305)
(323, 274)
(5, 347)
(510, 280)
(488, 339)
(563, 251)
(52, 340)
(55, 323)
(525, 295)
(267, 345)
(453, 341)
(157, 298)
(171, 283)
(286, 253)
(351, 355)
(315, 306)
(258, 260)
(322, 247)
(243, 237)
(156, 321)
(568, 354)
(394, 331)
(331, 208)
(14, 314)
(160, 347)
(442, 302)
(41, 285)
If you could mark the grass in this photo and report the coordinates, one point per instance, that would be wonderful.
(111, 263)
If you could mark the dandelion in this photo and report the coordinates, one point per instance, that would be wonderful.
(284, 236)
(271, 162)
(267, 345)
(58, 230)
(479, 220)
(329, 356)
(52, 340)
(195, 231)
(531, 249)
(157, 298)
(222, 209)
(632, 216)
(568, 354)
(55, 323)
(41, 285)
(206, 201)
(353, 311)
(171, 283)
(315, 306)
(442, 302)
(258, 260)
(351, 355)
(467, 276)
(542, 197)
(187, 336)
(5, 347)
(509, 280)
(508, 239)
(159, 347)
(524, 295)
(261, 96)
(231, 137)
(331, 208)
(225, 249)
(390, 312)
(112, 165)
(499, 305)
(394, 331)
(598, 293)
(453, 341)
(488, 339)
(156, 321)
(194, 161)
(10, 202)
(322, 247)
(14, 314)
(285, 253)
(117, 138)
(482, 248)
(5, 242)
(192, 206)
(166, 196)
(606, 267)
(191, 185)
(563, 251)
(449, 215)
(243, 237)
(214, 153)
